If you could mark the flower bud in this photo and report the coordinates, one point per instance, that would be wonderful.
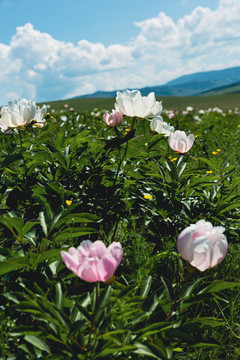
(114, 119)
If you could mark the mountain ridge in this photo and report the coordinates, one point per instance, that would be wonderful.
(186, 85)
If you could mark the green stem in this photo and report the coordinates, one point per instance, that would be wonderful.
(178, 296)
(124, 154)
(22, 150)
(97, 288)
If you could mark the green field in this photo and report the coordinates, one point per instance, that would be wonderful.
(224, 102)
(77, 179)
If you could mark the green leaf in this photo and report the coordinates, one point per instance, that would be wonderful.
(61, 159)
(144, 350)
(146, 286)
(13, 264)
(13, 223)
(115, 350)
(71, 233)
(28, 226)
(229, 207)
(49, 255)
(59, 139)
(44, 221)
(57, 215)
(202, 323)
(104, 297)
(25, 330)
(218, 285)
(43, 156)
(60, 296)
(188, 289)
(154, 329)
(204, 181)
(83, 311)
(37, 342)
(210, 163)
(75, 219)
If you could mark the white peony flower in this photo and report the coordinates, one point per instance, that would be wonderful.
(161, 127)
(20, 113)
(180, 142)
(133, 104)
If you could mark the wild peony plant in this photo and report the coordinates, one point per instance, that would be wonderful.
(133, 104)
(203, 245)
(93, 262)
(180, 142)
(21, 113)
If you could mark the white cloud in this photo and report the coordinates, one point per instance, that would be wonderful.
(37, 66)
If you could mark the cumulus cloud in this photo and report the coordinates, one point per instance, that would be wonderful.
(37, 66)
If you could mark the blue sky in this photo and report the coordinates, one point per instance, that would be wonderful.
(55, 49)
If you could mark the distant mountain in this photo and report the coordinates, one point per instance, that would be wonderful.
(223, 90)
(186, 85)
(226, 76)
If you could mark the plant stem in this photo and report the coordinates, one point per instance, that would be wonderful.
(124, 154)
(93, 317)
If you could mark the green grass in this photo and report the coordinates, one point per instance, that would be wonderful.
(224, 102)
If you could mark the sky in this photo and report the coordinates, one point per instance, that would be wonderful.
(58, 49)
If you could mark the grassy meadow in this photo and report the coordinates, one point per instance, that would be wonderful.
(78, 179)
(224, 102)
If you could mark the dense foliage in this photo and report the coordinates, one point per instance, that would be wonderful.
(78, 179)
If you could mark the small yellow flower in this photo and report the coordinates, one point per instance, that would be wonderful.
(238, 125)
(209, 171)
(127, 130)
(218, 150)
(196, 136)
(148, 197)
(215, 153)
(174, 159)
(69, 202)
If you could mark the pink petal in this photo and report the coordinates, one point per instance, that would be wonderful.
(71, 261)
(88, 272)
(98, 249)
(116, 251)
(184, 241)
(219, 251)
(85, 247)
(200, 253)
(106, 267)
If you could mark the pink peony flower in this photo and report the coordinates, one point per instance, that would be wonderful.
(180, 142)
(93, 261)
(114, 119)
(203, 245)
